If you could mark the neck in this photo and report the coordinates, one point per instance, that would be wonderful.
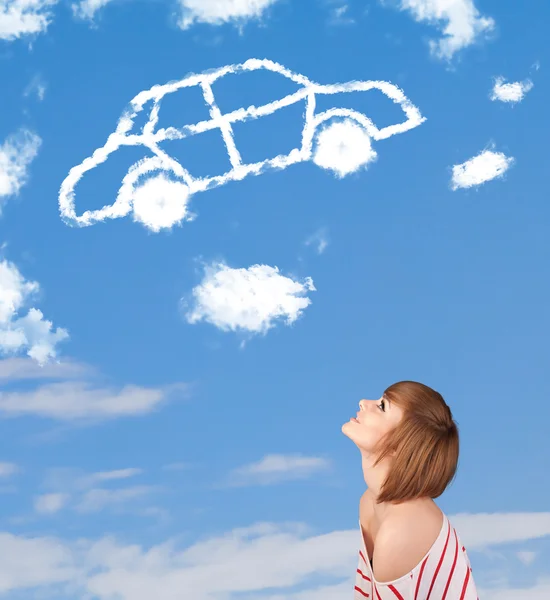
(374, 478)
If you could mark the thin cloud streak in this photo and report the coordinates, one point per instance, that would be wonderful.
(264, 557)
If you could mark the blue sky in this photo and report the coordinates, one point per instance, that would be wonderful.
(142, 451)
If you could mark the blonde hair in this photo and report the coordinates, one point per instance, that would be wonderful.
(424, 445)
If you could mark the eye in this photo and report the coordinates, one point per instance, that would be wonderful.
(382, 405)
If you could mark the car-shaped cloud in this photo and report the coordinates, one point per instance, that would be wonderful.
(159, 174)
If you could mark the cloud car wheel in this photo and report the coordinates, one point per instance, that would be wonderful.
(159, 197)
(343, 146)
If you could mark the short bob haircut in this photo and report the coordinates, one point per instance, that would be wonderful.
(423, 446)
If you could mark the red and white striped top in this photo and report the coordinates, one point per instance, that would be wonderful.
(443, 574)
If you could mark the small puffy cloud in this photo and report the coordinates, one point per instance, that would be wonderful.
(460, 21)
(31, 331)
(276, 468)
(161, 203)
(485, 166)
(49, 504)
(319, 239)
(343, 147)
(16, 154)
(250, 299)
(216, 12)
(20, 18)
(510, 92)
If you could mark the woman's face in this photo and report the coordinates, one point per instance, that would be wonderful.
(375, 418)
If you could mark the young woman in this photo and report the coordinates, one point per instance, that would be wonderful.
(409, 448)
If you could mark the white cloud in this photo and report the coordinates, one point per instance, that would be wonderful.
(68, 401)
(510, 92)
(526, 556)
(19, 368)
(276, 468)
(31, 332)
(110, 476)
(16, 154)
(344, 147)
(97, 499)
(24, 17)
(87, 9)
(339, 14)
(160, 202)
(48, 504)
(216, 12)
(263, 560)
(247, 299)
(485, 166)
(156, 190)
(8, 469)
(37, 562)
(460, 21)
(80, 492)
(320, 239)
(36, 86)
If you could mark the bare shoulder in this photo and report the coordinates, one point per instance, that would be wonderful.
(404, 539)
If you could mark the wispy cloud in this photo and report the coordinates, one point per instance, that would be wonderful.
(115, 475)
(87, 492)
(339, 13)
(30, 332)
(16, 154)
(20, 369)
(178, 466)
(526, 556)
(78, 396)
(7, 469)
(20, 18)
(87, 9)
(36, 86)
(276, 468)
(251, 299)
(280, 557)
(319, 239)
(510, 92)
(70, 401)
(481, 168)
(216, 12)
(460, 21)
(49, 504)
(98, 499)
